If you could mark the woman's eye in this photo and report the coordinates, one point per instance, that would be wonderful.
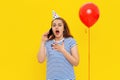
(54, 25)
(59, 25)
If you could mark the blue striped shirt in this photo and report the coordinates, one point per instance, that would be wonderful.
(58, 67)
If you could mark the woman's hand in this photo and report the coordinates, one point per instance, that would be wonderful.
(44, 37)
(58, 47)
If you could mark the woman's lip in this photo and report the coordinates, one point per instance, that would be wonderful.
(57, 31)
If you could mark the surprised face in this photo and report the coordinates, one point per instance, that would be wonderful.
(58, 28)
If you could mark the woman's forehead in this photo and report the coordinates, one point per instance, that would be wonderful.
(57, 21)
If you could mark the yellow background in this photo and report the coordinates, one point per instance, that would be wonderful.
(23, 22)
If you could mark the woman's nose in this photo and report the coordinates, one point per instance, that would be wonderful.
(56, 27)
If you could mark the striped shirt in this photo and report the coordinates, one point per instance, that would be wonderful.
(58, 67)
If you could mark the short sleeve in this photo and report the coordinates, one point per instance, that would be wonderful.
(72, 42)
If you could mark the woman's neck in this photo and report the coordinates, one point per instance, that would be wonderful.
(59, 38)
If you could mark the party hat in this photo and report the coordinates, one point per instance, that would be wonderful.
(54, 14)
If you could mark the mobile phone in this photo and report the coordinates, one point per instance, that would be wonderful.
(50, 33)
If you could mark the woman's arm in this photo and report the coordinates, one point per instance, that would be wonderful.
(42, 53)
(73, 58)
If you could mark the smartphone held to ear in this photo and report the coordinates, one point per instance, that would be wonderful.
(50, 33)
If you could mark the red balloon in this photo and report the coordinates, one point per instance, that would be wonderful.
(89, 14)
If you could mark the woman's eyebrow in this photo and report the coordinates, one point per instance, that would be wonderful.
(59, 23)
(54, 23)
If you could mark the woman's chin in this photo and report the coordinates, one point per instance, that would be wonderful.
(57, 36)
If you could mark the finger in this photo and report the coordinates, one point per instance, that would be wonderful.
(46, 33)
(52, 44)
(54, 48)
(55, 43)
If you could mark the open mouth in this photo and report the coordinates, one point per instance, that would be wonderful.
(57, 31)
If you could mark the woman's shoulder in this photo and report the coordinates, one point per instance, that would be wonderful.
(70, 42)
(70, 39)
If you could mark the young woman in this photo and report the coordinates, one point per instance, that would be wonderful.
(61, 51)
